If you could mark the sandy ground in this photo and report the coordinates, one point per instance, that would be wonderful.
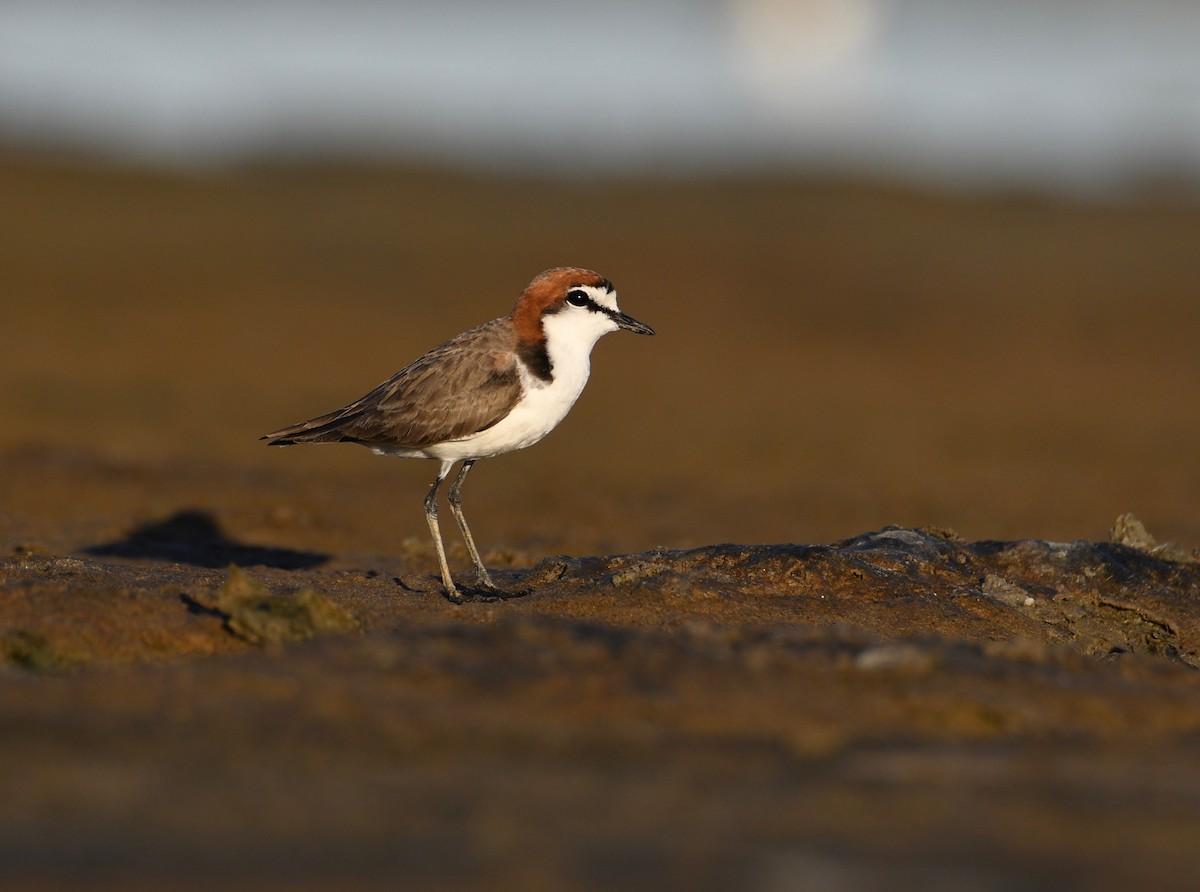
(831, 358)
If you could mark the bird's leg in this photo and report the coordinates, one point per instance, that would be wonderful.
(431, 515)
(454, 497)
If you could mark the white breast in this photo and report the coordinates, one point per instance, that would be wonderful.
(569, 341)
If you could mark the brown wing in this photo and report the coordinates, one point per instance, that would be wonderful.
(458, 388)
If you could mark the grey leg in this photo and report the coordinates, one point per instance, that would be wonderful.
(454, 497)
(431, 515)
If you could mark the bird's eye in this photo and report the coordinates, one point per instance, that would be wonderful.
(577, 298)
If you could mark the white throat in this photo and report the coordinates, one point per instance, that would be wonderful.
(570, 337)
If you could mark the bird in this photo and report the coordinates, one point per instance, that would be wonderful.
(494, 389)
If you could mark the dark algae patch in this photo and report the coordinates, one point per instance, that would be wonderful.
(253, 613)
(32, 651)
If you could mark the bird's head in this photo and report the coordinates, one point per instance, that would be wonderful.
(571, 304)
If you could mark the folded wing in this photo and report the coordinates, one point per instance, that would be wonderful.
(457, 389)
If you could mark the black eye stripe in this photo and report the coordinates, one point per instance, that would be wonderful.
(581, 300)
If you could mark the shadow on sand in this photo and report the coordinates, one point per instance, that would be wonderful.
(194, 537)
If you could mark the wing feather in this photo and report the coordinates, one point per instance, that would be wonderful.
(457, 389)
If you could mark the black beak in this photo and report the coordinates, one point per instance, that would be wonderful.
(630, 324)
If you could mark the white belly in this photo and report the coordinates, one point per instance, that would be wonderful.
(544, 406)
(569, 342)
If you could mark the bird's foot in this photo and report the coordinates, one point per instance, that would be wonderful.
(498, 594)
(485, 591)
(485, 594)
(488, 591)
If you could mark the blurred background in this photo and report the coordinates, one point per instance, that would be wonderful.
(910, 261)
(1082, 95)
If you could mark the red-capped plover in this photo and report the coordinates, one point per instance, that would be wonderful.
(490, 390)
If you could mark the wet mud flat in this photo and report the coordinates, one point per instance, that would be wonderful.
(1012, 706)
(903, 709)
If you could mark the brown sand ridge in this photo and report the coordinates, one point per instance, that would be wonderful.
(228, 665)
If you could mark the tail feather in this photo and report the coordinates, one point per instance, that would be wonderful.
(328, 428)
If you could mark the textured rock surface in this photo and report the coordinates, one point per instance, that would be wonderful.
(900, 709)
